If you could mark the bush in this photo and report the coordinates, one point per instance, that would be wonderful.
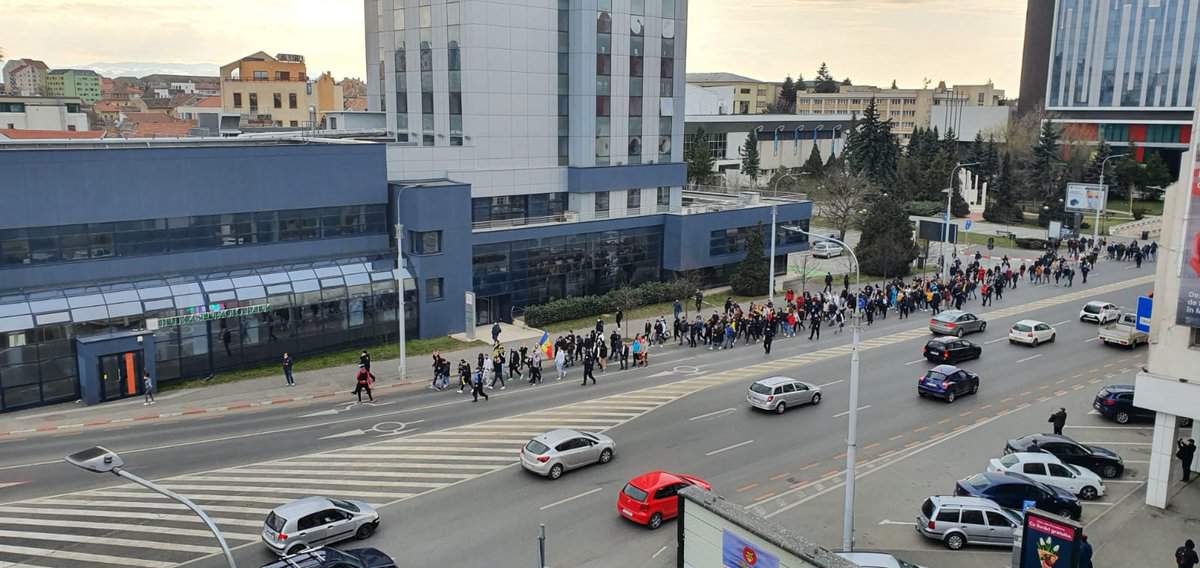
(1138, 213)
(1085, 225)
(925, 208)
(1031, 243)
(580, 307)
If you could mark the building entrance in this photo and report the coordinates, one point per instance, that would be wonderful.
(120, 375)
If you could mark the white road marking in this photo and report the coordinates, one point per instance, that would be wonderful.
(1105, 512)
(1132, 481)
(914, 362)
(170, 506)
(202, 533)
(1097, 338)
(727, 448)
(997, 340)
(900, 523)
(193, 496)
(84, 557)
(188, 518)
(831, 383)
(300, 481)
(1029, 358)
(660, 551)
(1110, 427)
(569, 499)
(109, 541)
(374, 456)
(711, 414)
(861, 408)
(342, 473)
(1139, 462)
(1058, 323)
(1096, 503)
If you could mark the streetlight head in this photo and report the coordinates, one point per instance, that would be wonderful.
(97, 459)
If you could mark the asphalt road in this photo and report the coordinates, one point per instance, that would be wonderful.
(447, 466)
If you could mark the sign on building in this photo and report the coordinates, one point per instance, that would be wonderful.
(1049, 541)
(208, 316)
(1188, 309)
(1086, 197)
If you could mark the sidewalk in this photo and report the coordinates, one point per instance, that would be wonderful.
(1135, 534)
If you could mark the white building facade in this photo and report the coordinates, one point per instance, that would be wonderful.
(42, 113)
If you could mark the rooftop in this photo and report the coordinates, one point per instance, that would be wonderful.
(111, 143)
(15, 134)
(719, 77)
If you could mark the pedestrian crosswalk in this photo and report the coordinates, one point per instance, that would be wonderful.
(126, 525)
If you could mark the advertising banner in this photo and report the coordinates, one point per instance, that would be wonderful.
(1085, 197)
(737, 552)
(1049, 541)
(1188, 309)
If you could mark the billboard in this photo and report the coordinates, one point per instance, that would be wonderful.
(932, 231)
(1187, 311)
(1049, 541)
(1085, 197)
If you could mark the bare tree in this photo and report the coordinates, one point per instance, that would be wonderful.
(840, 198)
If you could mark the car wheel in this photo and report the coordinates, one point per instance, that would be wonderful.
(955, 541)
(816, 398)
(1088, 493)
(1011, 341)
(958, 333)
(606, 456)
(974, 388)
(1067, 513)
(1053, 336)
(781, 407)
(655, 521)
(556, 471)
(950, 397)
(983, 327)
(1035, 342)
(364, 532)
(1108, 471)
(295, 550)
(1122, 417)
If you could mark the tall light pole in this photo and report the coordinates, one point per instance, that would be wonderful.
(946, 219)
(852, 428)
(1103, 163)
(400, 298)
(101, 460)
(774, 214)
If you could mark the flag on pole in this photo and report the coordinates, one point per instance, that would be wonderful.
(546, 346)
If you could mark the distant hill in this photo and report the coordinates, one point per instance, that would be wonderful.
(141, 69)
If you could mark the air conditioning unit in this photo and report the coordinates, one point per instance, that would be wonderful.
(748, 198)
(571, 216)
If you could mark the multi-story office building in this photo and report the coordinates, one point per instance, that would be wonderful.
(750, 96)
(785, 141)
(277, 91)
(42, 113)
(1121, 71)
(25, 77)
(78, 83)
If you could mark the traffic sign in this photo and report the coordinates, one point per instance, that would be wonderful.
(967, 225)
(1144, 307)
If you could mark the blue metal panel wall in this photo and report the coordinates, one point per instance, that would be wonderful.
(445, 208)
(688, 236)
(608, 178)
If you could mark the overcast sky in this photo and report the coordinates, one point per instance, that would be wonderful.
(871, 41)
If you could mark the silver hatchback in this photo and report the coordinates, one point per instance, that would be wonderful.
(553, 453)
(316, 521)
(959, 521)
(777, 394)
(956, 322)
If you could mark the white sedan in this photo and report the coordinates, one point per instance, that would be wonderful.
(1048, 469)
(1100, 312)
(1031, 332)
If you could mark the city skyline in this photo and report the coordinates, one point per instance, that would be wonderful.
(72, 33)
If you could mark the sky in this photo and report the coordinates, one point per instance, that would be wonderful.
(871, 41)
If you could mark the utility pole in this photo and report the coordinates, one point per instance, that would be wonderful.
(1096, 228)
(400, 300)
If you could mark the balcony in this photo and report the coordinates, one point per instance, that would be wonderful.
(522, 222)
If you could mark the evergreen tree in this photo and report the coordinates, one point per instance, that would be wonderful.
(1156, 176)
(750, 276)
(894, 85)
(833, 164)
(846, 82)
(1044, 182)
(1002, 198)
(871, 150)
(990, 165)
(824, 81)
(1092, 174)
(886, 247)
(699, 158)
(801, 86)
(1124, 174)
(750, 160)
(977, 151)
(814, 165)
(787, 96)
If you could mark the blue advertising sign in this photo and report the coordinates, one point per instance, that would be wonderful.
(1145, 305)
(737, 552)
(1049, 541)
(967, 225)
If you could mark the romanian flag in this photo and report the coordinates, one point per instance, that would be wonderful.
(546, 346)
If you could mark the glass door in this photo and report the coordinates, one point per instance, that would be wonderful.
(121, 375)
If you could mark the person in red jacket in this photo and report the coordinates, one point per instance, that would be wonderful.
(363, 381)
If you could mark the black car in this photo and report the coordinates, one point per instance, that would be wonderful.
(947, 382)
(1012, 490)
(1116, 402)
(951, 350)
(1103, 461)
(325, 557)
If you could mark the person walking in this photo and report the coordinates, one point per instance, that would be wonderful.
(828, 283)
(768, 337)
(1085, 552)
(1186, 451)
(560, 360)
(363, 382)
(364, 360)
(287, 370)
(477, 387)
(464, 375)
(495, 333)
(1185, 556)
(814, 327)
(589, 363)
(620, 317)
(148, 389)
(625, 351)
(535, 368)
(1058, 419)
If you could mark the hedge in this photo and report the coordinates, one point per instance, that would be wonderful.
(925, 208)
(579, 307)
(1031, 243)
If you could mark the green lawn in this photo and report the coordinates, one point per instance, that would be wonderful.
(654, 310)
(1152, 206)
(379, 352)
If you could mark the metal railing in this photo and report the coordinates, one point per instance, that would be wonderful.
(518, 222)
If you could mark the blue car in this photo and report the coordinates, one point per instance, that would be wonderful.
(947, 382)
(1013, 490)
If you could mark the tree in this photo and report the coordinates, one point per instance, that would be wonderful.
(833, 164)
(1092, 173)
(801, 86)
(787, 96)
(894, 85)
(749, 152)
(990, 164)
(1002, 199)
(699, 158)
(1044, 182)
(846, 82)
(814, 165)
(886, 247)
(824, 81)
(750, 276)
(1155, 177)
(871, 150)
(1124, 174)
(841, 197)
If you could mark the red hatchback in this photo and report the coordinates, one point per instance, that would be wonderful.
(649, 499)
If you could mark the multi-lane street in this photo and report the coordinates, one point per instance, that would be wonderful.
(445, 469)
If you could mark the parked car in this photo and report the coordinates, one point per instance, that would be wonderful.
(1013, 490)
(956, 322)
(777, 394)
(876, 560)
(314, 521)
(1031, 332)
(557, 451)
(325, 557)
(958, 521)
(1099, 312)
(649, 499)
(1124, 332)
(1116, 402)
(947, 382)
(1048, 469)
(1100, 460)
(826, 249)
(951, 350)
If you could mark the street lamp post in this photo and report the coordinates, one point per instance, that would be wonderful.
(1103, 163)
(400, 299)
(852, 428)
(101, 460)
(774, 213)
(946, 219)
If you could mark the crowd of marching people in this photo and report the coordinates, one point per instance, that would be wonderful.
(965, 280)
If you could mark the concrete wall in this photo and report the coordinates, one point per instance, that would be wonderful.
(969, 120)
(708, 100)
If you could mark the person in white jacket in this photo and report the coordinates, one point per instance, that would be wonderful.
(560, 359)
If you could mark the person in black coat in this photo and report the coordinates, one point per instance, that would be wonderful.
(1058, 419)
(1186, 451)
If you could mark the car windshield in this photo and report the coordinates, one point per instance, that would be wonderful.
(276, 522)
(935, 375)
(536, 448)
(760, 388)
(1091, 309)
(1009, 460)
(345, 505)
(1022, 327)
(1073, 469)
(634, 493)
(978, 481)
